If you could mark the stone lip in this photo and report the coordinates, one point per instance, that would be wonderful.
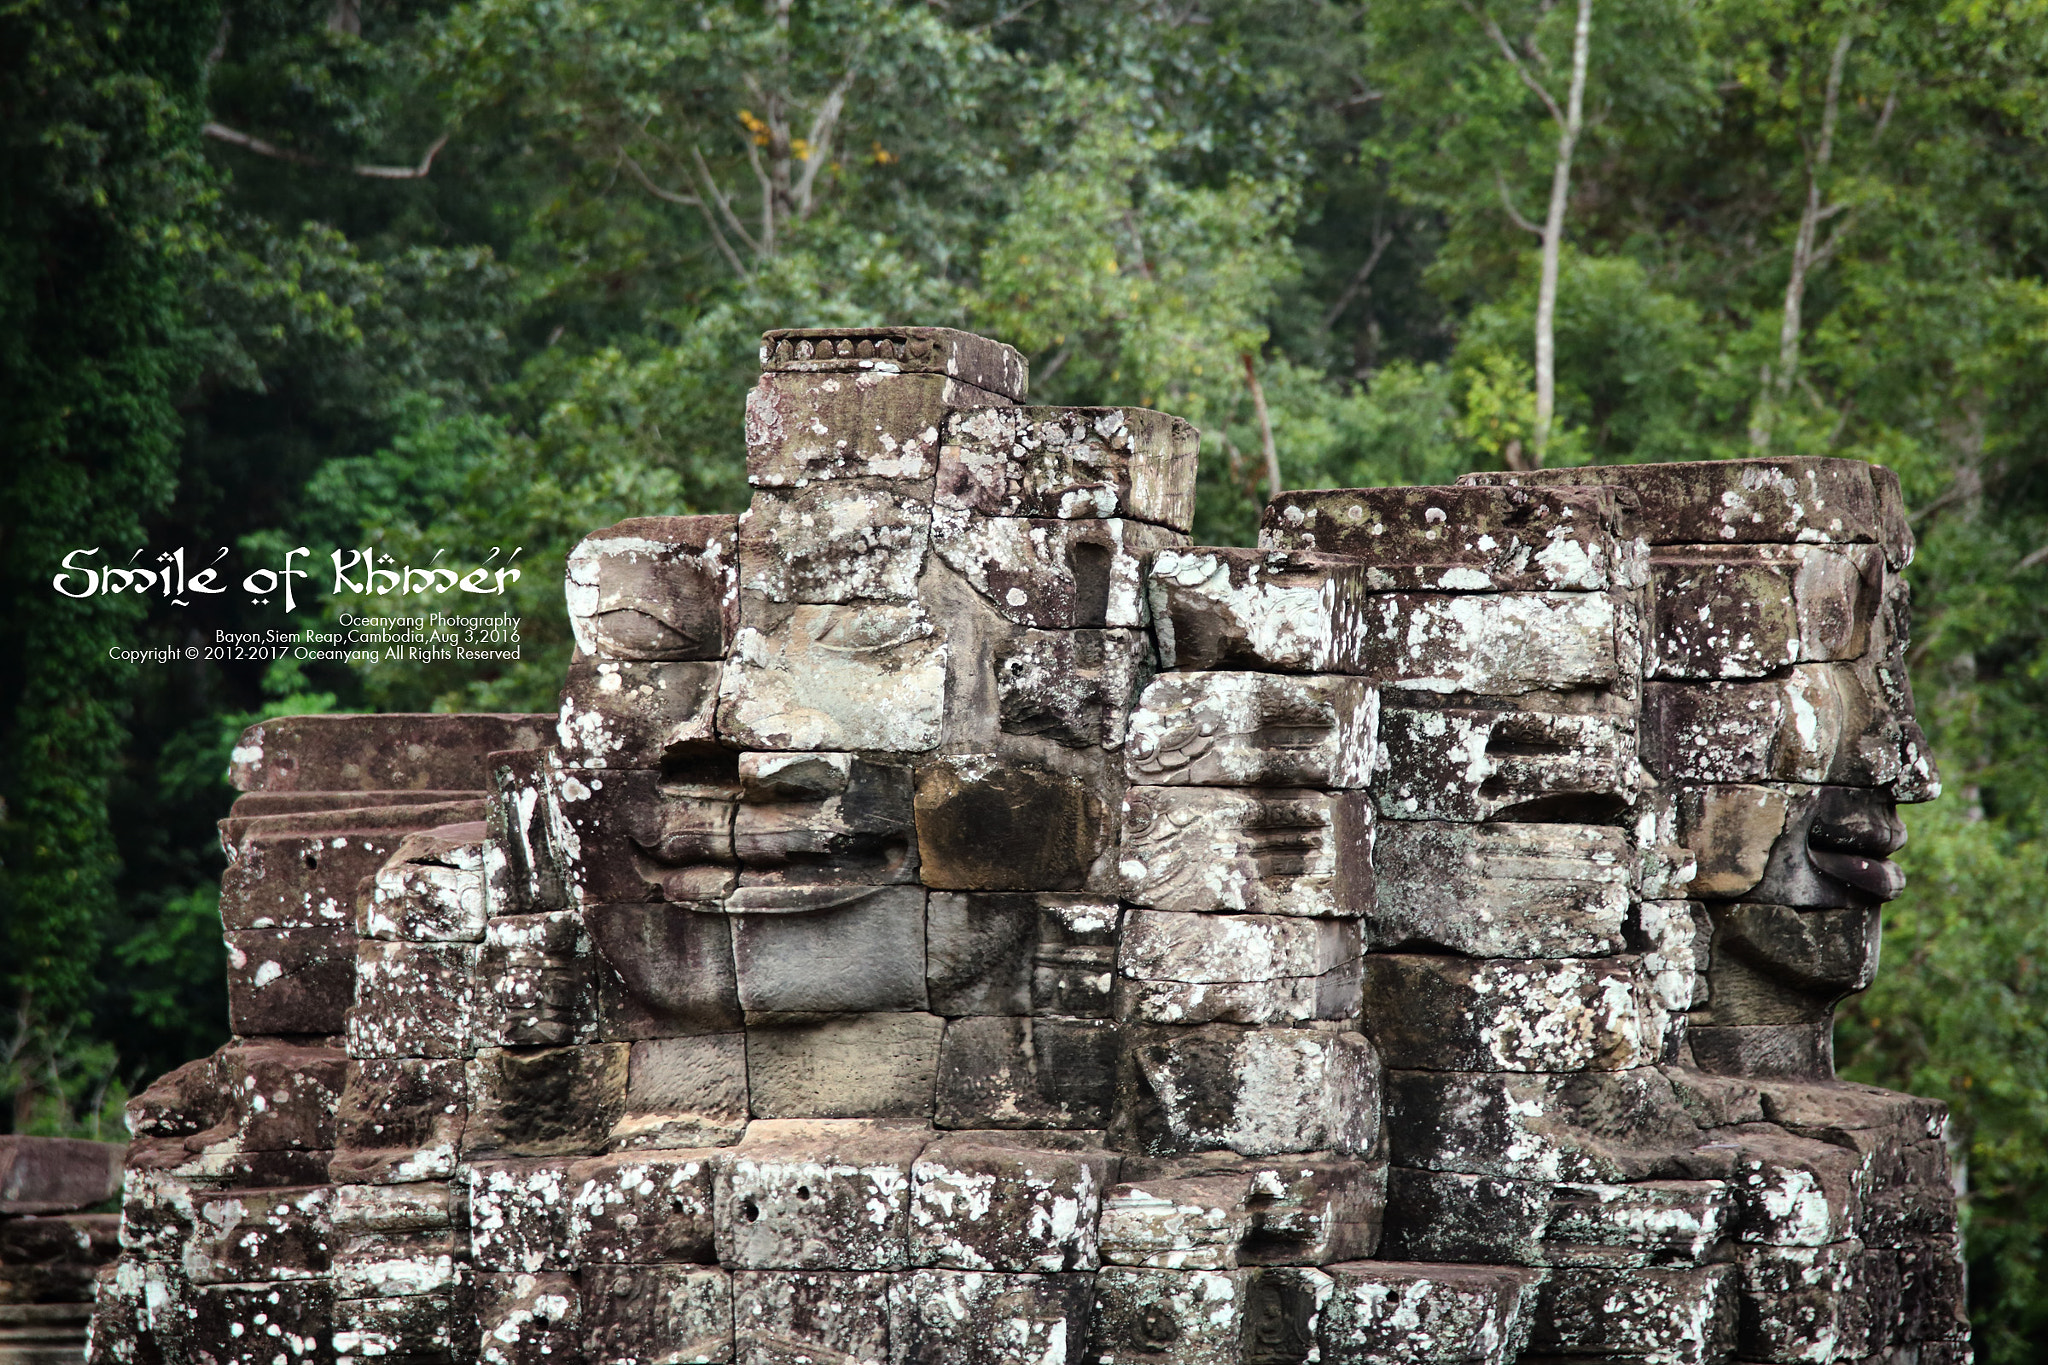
(57, 1175)
(390, 752)
(1809, 500)
(971, 359)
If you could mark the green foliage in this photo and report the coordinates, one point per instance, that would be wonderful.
(1956, 1014)
(284, 341)
(101, 186)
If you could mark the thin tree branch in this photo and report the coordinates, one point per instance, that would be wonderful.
(694, 201)
(2028, 561)
(1006, 17)
(819, 144)
(718, 197)
(234, 137)
(1514, 214)
(1272, 452)
(1364, 273)
(1507, 50)
(1059, 358)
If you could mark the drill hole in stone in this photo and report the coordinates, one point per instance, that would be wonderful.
(750, 1211)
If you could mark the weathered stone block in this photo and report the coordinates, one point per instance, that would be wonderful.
(300, 881)
(55, 1259)
(654, 588)
(1555, 1014)
(1773, 964)
(1793, 1191)
(986, 822)
(861, 956)
(1600, 1127)
(1436, 1216)
(961, 356)
(393, 752)
(1019, 953)
(393, 1265)
(544, 1101)
(1741, 502)
(1009, 1072)
(412, 1000)
(1278, 851)
(1253, 730)
(1254, 609)
(1684, 1316)
(1190, 1317)
(841, 541)
(1048, 573)
(1213, 1212)
(1075, 687)
(803, 429)
(1803, 1052)
(282, 1097)
(812, 828)
(657, 1315)
(398, 1240)
(245, 1236)
(1789, 728)
(983, 1318)
(1400, 1312)
(641, 1207)
(1730, 828)
(1070, 463)
(1458, 539)
(1746, 612)
(1500, 644)
(1474, 763)
(639, 838)
(684, 1092)
(519, 1215)
(1197, 1221)
(1008, 1201)
(534, 981)
(420, 1329)
(618, 714)
(283, 981)
(1500, 890)
(835, 678)
(664, 970)
(430, 890)
(797, 1317)
(1176, 968)
(255, 1324)
(818, 1195)
(1256, 1091)
(863, 1065)
(523, 862)
(1798, 1303)
(525, 1318)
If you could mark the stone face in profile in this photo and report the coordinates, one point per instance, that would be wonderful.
(953, 920)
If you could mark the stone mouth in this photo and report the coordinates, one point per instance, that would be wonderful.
(1852, 836)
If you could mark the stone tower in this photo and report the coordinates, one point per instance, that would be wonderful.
(954, 919)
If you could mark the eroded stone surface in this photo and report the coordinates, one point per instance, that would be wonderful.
(953, 919)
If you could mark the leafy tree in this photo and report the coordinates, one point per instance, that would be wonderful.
(103, 189)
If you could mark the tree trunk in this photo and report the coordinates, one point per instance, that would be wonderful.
(1251, 376)
(1553, 239)
(1805, 254)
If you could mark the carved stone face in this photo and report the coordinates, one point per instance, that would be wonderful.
(961, 922)
(1777, 724)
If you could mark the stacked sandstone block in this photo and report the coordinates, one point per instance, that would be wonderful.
(1777, 736)
(52, 1243)
(953, 919)
(268, 1183)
